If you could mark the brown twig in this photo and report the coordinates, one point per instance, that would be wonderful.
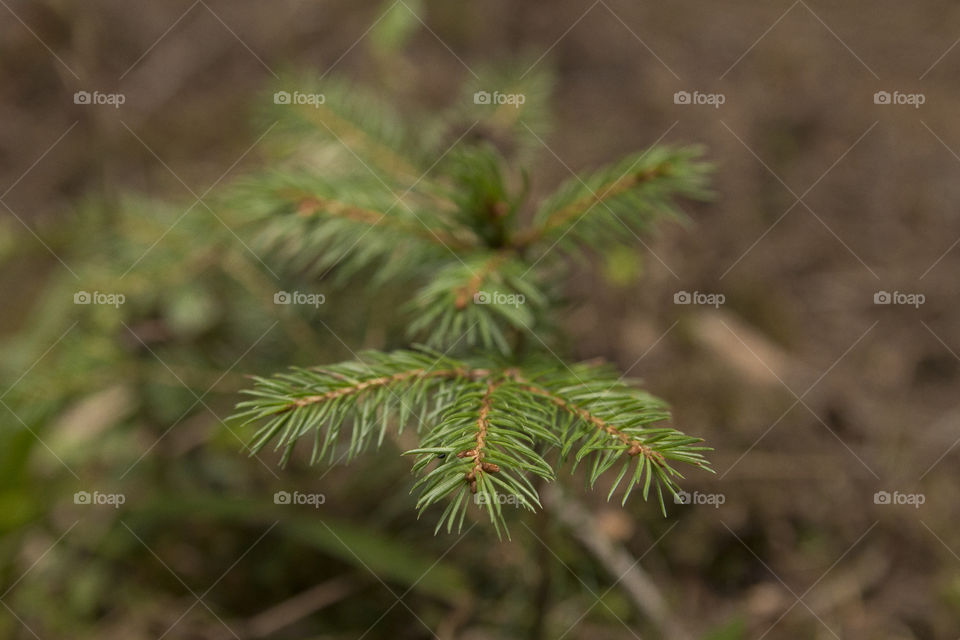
(582, 205)
(381, 381)
(477, 453)
(309, 205)
(618, 561)
(385, 156)
(467, 292)
(635, 447)
(286, 613)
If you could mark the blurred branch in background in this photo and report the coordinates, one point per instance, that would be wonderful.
(622, 566)
(300, 606)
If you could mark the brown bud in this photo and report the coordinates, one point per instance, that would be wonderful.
(473, 487)
(635, 449)
(469, 453)
(491, 467)
(471, 476)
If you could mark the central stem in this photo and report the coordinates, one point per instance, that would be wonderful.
(477, 453)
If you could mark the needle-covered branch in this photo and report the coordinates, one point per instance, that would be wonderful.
(478, 302)
(617, 203)
(485, 429)
(314, 224)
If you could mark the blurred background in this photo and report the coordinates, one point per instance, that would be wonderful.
(826, 380)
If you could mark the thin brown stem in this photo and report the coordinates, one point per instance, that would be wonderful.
(382, 381)
(467, 292)
(385, 157)
(309, 205)
(580, 206)
(478, 452)
(635, 447)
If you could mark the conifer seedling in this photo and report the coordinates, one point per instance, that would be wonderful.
(367, 201)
